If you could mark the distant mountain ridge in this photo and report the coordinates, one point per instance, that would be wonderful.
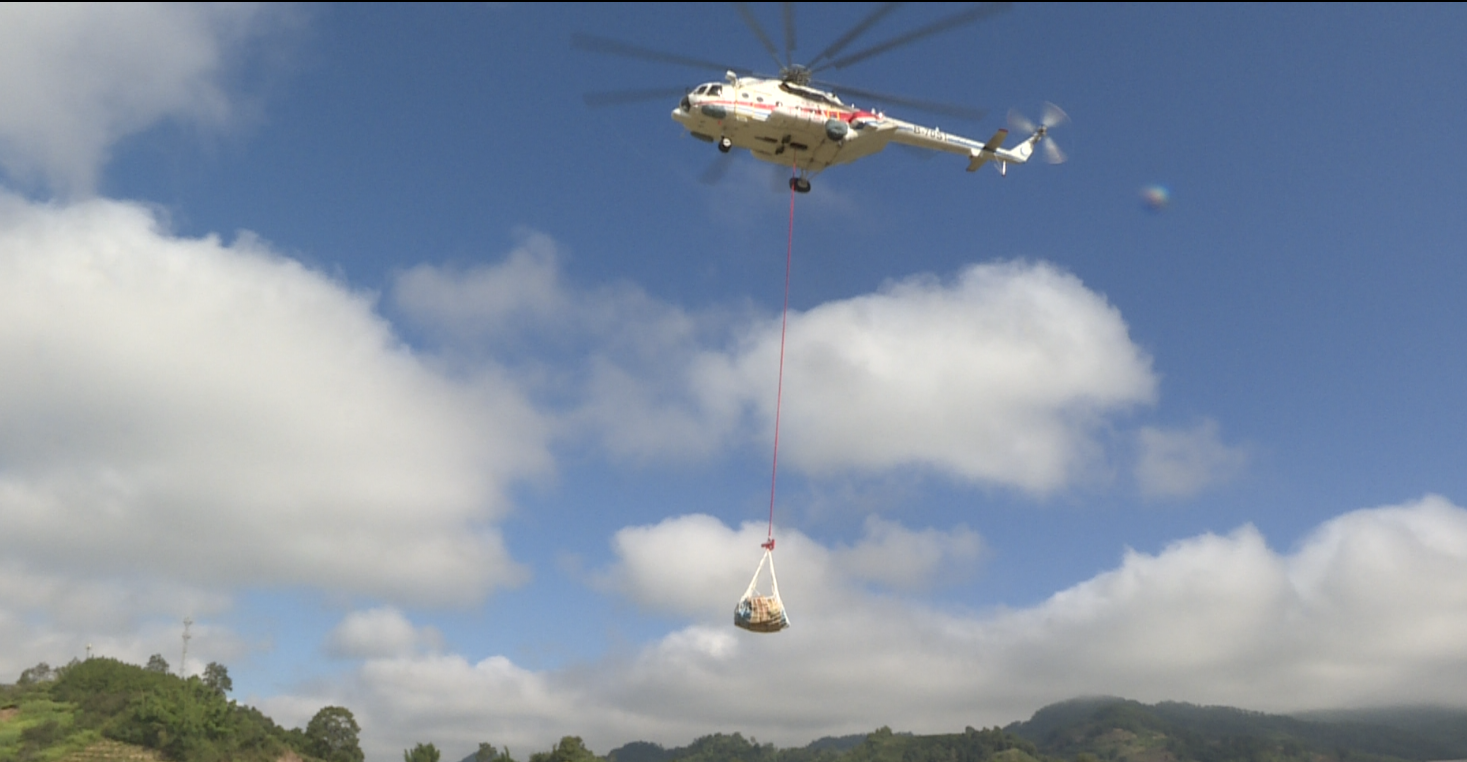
(644, 751)
(1112, 729)
(1123, 730)
(881, 745)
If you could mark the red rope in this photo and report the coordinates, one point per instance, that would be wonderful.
(779, 393)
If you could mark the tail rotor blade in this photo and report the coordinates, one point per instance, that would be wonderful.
(1021, 123)
(1052, 152)
(1054, 116)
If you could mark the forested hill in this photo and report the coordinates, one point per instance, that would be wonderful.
(103, 709)
(882, 745)
(1129, 731)
(1119, 730)
(55, 715)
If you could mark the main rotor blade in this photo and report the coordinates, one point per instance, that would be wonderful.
(963, 18)
(913, 152)
(602, 98)
(931, 107)
(779, 179)
(856, 31)
(717, 169)
(758, 31)
(627, 50)
(789, 34)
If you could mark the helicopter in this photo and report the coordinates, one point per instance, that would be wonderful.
(793, 120)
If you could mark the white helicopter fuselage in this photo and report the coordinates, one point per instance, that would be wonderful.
(798, 126)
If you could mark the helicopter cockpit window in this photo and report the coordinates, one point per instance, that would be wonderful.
(715, 89)
(701, 89)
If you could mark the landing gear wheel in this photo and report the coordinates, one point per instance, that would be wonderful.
(725, 145)
(799, 185)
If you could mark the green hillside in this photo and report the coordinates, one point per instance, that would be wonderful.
(104, 710)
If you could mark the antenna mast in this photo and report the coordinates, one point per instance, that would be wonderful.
(182, 660)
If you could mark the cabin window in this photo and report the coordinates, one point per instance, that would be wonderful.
(715, 89)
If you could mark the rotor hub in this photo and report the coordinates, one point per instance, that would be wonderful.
(795, 74)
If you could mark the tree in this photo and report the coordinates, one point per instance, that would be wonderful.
(217, 677)
(38, 674)
(487, 753)
(423, 752)
(156, 663)
(570, 749)
(333, 735)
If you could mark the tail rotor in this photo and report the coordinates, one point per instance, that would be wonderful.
(1052, 116)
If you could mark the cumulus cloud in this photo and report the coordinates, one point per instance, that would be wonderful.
(708, 560)
(893, 556)
(192, 410)
(56, 616)
(380, 632)
(76, 78)
(455, 702)
(488, 302)
(998, 376)
(1370, 608)
(612, 359)
(1182, 463)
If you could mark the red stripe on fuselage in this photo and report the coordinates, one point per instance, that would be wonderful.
(770, 107)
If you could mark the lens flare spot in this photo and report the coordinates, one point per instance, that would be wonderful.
(1156, 197)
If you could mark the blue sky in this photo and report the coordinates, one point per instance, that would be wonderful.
(352, 333)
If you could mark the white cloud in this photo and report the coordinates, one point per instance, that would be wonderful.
(452, 701)
(681, 565)
(1183, 463)
(380, 632)
(1370, 608)
(194, 411)
(75, 78)
(488, 301)
(893, 556)
(999, 376)
(55, 617)
(688, 565)
(617, 363)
